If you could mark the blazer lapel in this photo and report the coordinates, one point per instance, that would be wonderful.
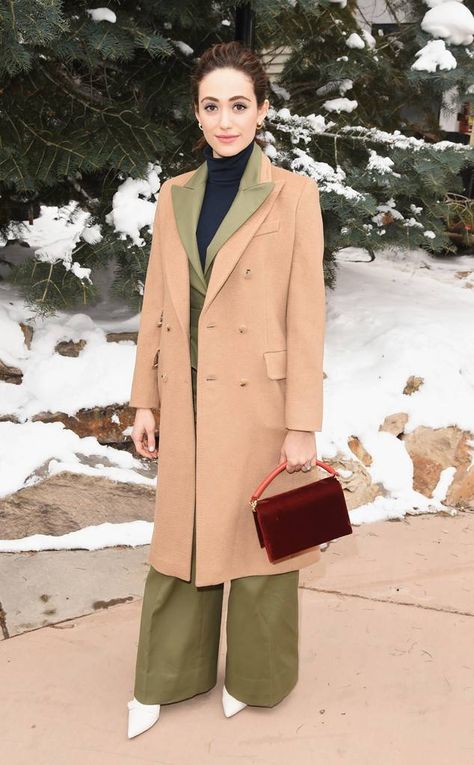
(187, 203)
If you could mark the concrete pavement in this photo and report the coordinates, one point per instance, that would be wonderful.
(386, 673)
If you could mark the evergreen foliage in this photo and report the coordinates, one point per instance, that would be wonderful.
(89, 103)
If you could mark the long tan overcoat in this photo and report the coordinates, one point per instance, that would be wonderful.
(260, 371)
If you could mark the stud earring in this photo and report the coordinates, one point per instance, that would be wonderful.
(259, 124)
(200, 126)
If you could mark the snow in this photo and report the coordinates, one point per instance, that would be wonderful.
(305, 127)
(130, 211)
(434, 55)
(369, 39)
(355, 41)
(450, 20)
(432, 3)
(397, 140)
(280, 90)
(450, 109)
(388, 207)
(380, 164)
(318, 123)
(406, 313)
(55, 234)
(57, 231)
(102, 14)
(183, 47)
(132, 534)
(328, 179)
(300, 128)
(340, 105)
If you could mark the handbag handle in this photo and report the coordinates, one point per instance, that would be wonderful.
(279, 468)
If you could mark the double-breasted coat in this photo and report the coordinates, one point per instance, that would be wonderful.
(259, 345)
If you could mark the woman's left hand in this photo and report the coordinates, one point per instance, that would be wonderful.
(299, 448)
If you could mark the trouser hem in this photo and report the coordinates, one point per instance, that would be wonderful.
(255, 692)
(167, 692)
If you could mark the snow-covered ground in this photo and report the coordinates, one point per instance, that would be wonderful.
(406, 313)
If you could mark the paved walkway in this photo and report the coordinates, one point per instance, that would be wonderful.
(386, 678)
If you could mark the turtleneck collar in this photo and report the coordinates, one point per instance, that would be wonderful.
(227, 170)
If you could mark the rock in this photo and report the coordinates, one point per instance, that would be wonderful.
(105, 423)
(358, 486)
(360, 452)
(11, 375)
(412, 385)
(68, 501)
(433, 450)
(27, 333)
(395, 423)
(117, 337)
(70, 347)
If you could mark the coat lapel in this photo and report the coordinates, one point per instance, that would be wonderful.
(250, 195)
(254, 199)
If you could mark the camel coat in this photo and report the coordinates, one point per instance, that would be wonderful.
(260, 337)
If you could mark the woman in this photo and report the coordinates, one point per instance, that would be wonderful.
(236, 269)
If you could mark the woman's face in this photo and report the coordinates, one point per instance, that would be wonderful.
(228, 107)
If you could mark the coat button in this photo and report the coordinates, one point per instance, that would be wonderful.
(243, 381)
(248, 273)
(242, 328)
(164, 376)
(168, 327)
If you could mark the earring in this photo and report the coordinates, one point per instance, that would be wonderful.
(259, 124)
(200, 126)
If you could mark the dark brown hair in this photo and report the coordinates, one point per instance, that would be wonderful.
(235, 55)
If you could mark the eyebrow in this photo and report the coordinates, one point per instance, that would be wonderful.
(234, 98)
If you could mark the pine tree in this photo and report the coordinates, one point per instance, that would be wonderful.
(89, 100)
(96, 104)
(353, 113)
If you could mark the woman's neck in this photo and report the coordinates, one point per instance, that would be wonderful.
(227, 170)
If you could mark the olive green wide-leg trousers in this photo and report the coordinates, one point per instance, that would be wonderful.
(180, 629)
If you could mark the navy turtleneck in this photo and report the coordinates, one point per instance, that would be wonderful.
(223, 179)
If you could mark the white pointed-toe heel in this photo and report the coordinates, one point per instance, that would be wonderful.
(141, 716)
(231, 705)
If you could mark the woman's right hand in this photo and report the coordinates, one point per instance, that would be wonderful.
(143, 433)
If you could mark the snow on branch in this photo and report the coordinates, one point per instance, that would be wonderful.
(434, 55)
(451, 21)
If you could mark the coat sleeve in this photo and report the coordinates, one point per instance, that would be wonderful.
(306, 317)
(144, 391)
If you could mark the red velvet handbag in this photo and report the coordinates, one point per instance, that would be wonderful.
(293, 521)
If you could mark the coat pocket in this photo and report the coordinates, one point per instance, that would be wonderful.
(276, 364)
(268, 226)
